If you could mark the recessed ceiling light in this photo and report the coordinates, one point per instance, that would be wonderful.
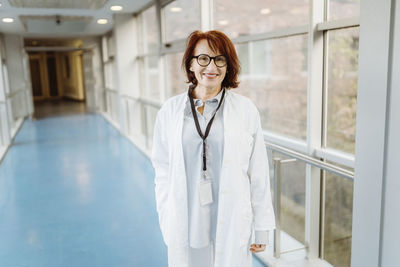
(223, 22)
(176, 9)
(116, 8)
(8, 20)
(265, 11)
(102, 21)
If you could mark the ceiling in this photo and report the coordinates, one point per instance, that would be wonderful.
(62, 18)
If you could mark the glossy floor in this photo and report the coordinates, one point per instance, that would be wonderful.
(74, 192)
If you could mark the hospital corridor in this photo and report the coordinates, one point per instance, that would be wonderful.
(106, 151)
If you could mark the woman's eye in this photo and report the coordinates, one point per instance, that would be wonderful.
(203, 59)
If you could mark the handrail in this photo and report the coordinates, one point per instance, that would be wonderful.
(312, 161)
(144, 101)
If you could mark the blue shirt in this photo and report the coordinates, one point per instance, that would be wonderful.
(202, 219)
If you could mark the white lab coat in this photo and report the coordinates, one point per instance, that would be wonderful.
(244, 191)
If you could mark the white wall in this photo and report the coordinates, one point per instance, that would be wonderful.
(390, 255)
(376, 216)
(19, 97)
(14, 57)
(15, 89)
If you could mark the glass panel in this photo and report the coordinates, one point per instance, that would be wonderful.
(149, 30)
(293, 188)
(342, 88)
(180, 18)
(338, 220)
(135, 123)
(176, 79)
(339, 9)
(259, 15)
(109, 75)
(151, 81)
(151, 114)
(274, 77)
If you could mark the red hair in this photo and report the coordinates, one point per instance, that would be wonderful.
(219, 43)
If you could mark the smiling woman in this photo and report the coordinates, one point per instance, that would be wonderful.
(211, 166)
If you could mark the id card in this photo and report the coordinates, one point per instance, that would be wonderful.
(205, 192)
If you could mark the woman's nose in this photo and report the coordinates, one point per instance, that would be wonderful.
(212, 65)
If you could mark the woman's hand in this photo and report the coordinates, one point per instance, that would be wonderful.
(257, 248)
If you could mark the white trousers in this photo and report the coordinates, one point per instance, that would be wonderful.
(191, 257)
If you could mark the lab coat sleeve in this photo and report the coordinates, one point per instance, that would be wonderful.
(160, 161)
(258, 171)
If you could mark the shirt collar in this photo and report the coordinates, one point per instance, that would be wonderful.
(215, 99)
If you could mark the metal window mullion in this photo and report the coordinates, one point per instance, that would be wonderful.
(206, 17)
(287, 32)
(339, 24)
(162, 69)
(314, 118)
(164, 3)
(324, 129)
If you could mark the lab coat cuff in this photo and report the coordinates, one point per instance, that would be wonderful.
(261, 237)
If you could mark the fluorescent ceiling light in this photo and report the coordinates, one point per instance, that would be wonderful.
(8, 20)
(176, 9)
(265, 11)
(102, 21)
(116, 8)
(223, 22)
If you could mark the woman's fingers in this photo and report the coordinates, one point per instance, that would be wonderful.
(257, 248)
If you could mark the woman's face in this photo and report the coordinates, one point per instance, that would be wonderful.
(211, 76)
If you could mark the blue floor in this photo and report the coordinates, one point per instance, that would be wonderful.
(74, 192)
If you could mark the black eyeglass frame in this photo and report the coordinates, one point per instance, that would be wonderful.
(211, 58)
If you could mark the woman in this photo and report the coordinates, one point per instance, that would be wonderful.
(211, 167)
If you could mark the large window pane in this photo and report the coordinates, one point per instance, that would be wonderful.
(343, 9)
(342, 88)
(176, 79)
(149, 30)
(151, 81)
(338, 220)
(180, 18)
(256, 16)
(274, 76)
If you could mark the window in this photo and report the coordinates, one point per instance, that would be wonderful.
(342, 88)
(275, 79)
(176, 78)
(259, 16)
(180, 18)
(343, 9)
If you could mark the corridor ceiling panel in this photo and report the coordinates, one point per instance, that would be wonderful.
(69, 4)
(66, 24)
(63, 18)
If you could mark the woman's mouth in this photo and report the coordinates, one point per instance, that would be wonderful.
(210, 75)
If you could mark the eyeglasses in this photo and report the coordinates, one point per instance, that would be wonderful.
(204, 60)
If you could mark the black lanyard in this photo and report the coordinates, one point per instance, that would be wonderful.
(196, 120)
